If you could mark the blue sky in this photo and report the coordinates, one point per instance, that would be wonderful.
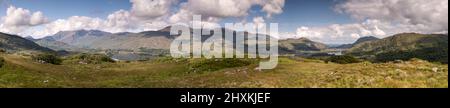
(314, 19)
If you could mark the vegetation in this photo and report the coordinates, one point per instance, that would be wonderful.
(98, 70)
(344, 59)
(20, 71)
(430, 54)
(2, 62)
(202, 65)
(47, 58)
(85, 58)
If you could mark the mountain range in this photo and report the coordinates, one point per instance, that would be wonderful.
(160, 39)
(94, 39)
(80, 40)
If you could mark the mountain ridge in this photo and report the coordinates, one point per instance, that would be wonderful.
(359, 41)
(14, 43)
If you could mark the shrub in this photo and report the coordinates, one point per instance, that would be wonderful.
(2, 50)
(343, 59)
(47, 58)
(2, 61)
(92, 58)
(169, 59)
(429, 54)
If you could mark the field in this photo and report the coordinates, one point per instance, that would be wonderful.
(22, 72)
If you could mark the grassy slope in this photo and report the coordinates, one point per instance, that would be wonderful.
(21, 72)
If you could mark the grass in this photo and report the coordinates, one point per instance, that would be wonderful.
(22, 72)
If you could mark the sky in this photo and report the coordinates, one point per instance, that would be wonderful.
(327, 21)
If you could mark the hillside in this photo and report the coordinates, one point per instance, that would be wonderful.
(56, 45)
(13, 43)
(301, 44)
(432, 47)
(291, 73)
(94, 39)
(359, 41)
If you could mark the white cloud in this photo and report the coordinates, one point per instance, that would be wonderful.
(382, 18)
(215, 10)
(151, 8)
(143, 15)
(74, 23)
(345, 33)
(259, 23)
(273, 7)
(19, 19)
(420, 15)
(120, 21)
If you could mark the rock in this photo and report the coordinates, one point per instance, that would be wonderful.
(398, 61)
(82, 62)
(435, 69)
(42, 62)
(258, 69)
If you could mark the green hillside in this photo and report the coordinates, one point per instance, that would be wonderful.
(432, 47)
(21, 71)
(301, 44)
(13, 43)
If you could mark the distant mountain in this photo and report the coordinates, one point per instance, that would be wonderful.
(433, 47)
(55, 45)
(14, 43)
(78, 38)
(94, 39)
(359, 41)
(301, 44)
(160, 39)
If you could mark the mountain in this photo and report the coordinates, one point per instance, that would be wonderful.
(55, 45)
(14, 43)
(160, 39)
(359, 41)
(365, 39)
(94, 39)
(301, 44)
(433, 47)
(78, 38)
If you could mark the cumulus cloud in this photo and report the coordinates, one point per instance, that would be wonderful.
(273, 7)
(337, 33)
(19, 19)
(215, 10)
(259, 22)
(382, 18)
(431, 14)
(143, 15)
(151, 8)
(72, 23)
(120, 21)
